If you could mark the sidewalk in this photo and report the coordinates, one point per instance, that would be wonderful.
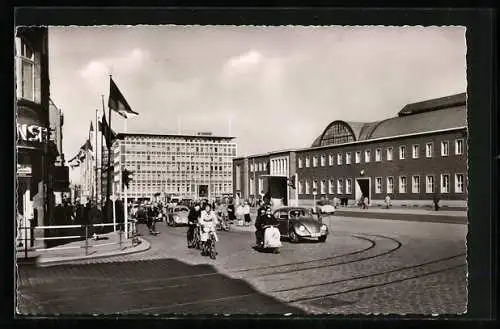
(108, 245)
(405, 211)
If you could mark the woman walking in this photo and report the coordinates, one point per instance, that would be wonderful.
(246, 213)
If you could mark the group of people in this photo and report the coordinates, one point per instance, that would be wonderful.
(204, 216)
(148, 212)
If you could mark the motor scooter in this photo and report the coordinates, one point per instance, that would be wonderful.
(272, 240)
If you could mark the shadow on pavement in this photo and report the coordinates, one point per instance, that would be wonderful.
(163, 287)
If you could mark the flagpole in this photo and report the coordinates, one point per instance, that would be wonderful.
(108, 176)
(102, 160)
(96, 154)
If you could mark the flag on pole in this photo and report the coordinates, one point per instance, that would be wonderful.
(108, 133)
(87, 147)
(118, 103)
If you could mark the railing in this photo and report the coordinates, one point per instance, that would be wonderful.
(85, 228)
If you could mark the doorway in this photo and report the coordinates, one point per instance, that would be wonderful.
(363, 189)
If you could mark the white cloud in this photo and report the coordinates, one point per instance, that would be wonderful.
(96, 69)
(244, 62)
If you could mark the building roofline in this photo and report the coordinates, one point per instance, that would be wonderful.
(121, 135)
(365, 141)
(265, 154)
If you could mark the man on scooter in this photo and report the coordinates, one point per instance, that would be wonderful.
(194, 215)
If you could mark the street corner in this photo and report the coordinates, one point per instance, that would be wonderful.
(44, 260)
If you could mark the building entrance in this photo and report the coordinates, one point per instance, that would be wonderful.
(278, 190)
(363, 189)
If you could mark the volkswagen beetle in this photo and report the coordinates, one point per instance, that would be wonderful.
(297, 223)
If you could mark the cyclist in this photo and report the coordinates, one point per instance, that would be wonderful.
(193, 217)
(208, 222)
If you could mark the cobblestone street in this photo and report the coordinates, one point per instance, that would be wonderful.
(365, 266)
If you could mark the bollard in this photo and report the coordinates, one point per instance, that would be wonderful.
(86, 240)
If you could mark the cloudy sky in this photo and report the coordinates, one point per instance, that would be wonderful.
(271, 87)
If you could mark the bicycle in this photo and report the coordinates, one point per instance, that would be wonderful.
(196, 240)
(209, 248)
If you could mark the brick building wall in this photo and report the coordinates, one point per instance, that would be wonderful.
(422, 166)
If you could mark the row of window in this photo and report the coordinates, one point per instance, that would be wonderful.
(415, 154)
(261, 166)
(175, 142)
(164, 159)
(339, 187)
(167, 150)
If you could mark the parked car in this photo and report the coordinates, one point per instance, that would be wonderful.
(297, 223)
(325, 207)
(178, 216)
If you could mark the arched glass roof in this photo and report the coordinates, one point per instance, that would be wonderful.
(436, 114)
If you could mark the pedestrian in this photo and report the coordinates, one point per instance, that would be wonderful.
(319, 214)
(365, 202)
(246, 213)
(231, 212)
(387, 201)
(239, 214)
(193, 218)
(435, 199)
(151, 219)
(93, 220)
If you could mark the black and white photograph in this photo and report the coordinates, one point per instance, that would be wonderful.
(224, 169)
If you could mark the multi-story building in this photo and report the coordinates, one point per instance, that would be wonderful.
(36, 152)
(88, 174)
(413, 157)
(189, 166)
(59, 171)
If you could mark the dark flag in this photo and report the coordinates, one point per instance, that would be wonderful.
(87, 146)
(108, 133)
(118, 103)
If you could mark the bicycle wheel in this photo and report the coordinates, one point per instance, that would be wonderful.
(213, 252)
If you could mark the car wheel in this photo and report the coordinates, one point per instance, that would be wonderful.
(322, 239)
(294, 238)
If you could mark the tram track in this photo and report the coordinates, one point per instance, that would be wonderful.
(395, 270)
(355, 260)
(370, 286)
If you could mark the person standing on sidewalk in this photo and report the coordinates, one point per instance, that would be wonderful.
(231, 212)
(246, 214)
(435, 199)
(387, 201)
(93, 219)
(239, 214)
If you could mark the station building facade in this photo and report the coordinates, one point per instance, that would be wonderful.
(414, 157)
(186, 166)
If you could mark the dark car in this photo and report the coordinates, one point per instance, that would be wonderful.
(297, 223)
